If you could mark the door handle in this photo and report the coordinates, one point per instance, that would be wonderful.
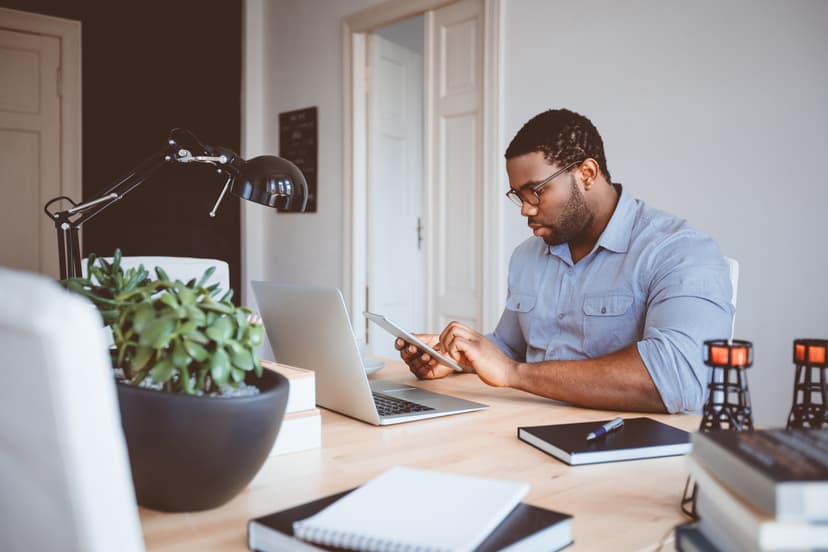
(419, 233)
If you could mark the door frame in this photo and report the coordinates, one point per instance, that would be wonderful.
(68, 31)
(355, 139)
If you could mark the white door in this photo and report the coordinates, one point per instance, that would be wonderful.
(30, 156)
(454, 193)
(395, 268)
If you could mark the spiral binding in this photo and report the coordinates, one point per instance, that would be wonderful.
(354, 541)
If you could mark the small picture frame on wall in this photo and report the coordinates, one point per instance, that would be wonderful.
(298, 143)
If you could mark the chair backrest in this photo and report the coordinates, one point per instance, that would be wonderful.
(733, 265)
(179, 268)
(64, 469)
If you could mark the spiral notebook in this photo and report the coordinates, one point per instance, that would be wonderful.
(526, 529)
(407, 509)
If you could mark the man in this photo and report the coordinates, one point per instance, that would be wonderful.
(609, 302)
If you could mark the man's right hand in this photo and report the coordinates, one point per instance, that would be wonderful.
(419, 362)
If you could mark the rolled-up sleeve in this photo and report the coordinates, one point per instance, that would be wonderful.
(689, 302)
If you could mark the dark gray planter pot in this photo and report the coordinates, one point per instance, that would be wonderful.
(195, 453)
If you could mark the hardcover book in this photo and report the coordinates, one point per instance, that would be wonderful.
(299, 431)
(301, 386)
(743, 525)
(525, 528)
(782, 472)
(639, 438)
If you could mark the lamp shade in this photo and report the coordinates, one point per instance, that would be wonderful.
(272, 181)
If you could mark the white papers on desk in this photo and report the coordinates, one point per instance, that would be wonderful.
(411, 509)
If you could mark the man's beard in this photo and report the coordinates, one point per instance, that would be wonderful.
(574, 217)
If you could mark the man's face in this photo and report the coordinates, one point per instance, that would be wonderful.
(561, 214)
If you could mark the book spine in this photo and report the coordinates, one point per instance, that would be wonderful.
(299, 431)
(301, 386)
(301, 394)
(742, 478)
(715, 529)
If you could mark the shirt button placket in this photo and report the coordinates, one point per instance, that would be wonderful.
(565, 298)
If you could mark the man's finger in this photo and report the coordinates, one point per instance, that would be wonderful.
(409, 353)
(423, 371)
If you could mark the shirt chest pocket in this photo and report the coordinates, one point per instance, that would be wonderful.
(523, 306)
(610, 323)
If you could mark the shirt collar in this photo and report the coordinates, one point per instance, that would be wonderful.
(561, 251)
(618, 233)
(615, 237)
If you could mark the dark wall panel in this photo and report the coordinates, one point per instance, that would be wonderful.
(149, 67)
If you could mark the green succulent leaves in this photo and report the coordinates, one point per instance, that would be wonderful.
(177, 334)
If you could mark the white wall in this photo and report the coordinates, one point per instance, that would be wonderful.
(715, 111)
(293, 59)
(712, 110)
(302, 68)
(253, 138)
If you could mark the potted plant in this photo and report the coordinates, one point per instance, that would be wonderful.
(199, 413)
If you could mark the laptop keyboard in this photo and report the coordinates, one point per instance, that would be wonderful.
(391, 406)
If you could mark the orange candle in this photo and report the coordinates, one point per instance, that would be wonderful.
(816, 354)
(738, 356)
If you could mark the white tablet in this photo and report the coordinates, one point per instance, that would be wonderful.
(396, 331)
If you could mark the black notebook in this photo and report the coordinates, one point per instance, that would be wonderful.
(525, 528)
(639, 438)
(782, 472)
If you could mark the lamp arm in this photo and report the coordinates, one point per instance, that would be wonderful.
(69, 221)
(182, 147)
(266, 179)
(89, 210)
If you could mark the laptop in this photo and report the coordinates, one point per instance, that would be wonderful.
(309, 327)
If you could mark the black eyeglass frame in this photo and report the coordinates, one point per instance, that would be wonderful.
(515, 195)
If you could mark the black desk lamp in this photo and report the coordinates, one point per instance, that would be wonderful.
(267, 180)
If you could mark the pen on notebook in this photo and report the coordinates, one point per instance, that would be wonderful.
(612, 425)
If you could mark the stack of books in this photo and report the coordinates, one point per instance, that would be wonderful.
(413, 510)
(758, 490)
(302, 427)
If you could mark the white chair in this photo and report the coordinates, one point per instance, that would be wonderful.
(178, 268)
(64, 469)
(733, 266)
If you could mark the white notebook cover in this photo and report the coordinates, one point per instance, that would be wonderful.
(411, 509)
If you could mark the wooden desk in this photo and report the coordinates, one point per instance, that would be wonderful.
(617, 506)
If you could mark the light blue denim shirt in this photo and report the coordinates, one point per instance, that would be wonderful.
(651, 279)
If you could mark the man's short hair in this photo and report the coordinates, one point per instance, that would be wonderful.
(563, 137)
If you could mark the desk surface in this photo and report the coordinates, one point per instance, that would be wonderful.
(617, 506)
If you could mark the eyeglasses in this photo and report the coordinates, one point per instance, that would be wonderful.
(527, 192)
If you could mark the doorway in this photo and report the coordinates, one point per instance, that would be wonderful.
(459, 234)
(40, 133)
(395, 269)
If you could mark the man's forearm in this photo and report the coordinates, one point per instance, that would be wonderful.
(618, 381)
